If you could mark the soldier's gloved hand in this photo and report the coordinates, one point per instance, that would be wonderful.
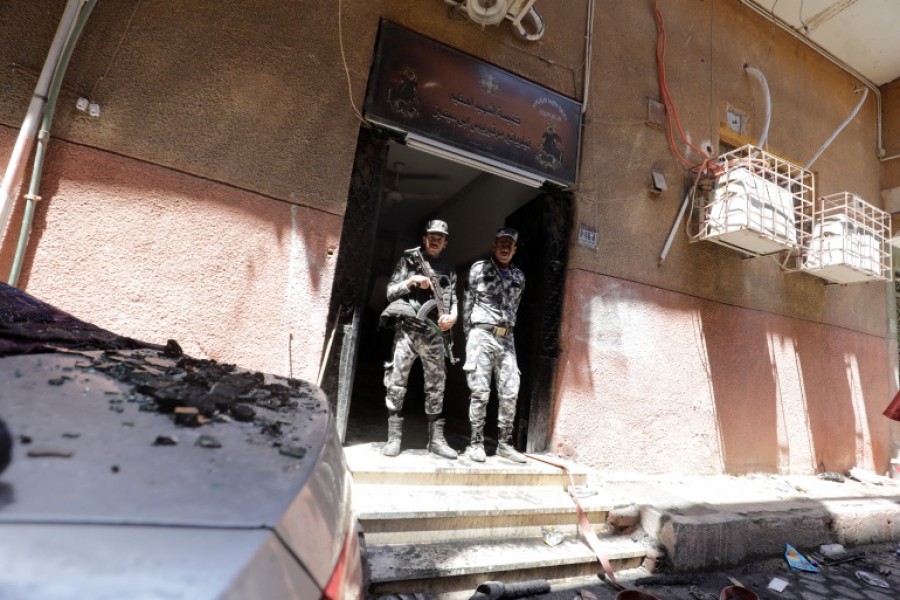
(446, 322)
(418, 280)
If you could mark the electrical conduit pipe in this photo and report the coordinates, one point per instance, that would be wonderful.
(838, 130)
(25, 140)
(765, 87)
(43, 139)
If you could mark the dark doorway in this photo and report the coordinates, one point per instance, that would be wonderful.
(544, 226)
(413, 187)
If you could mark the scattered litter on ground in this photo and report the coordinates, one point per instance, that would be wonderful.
(700, 594)
(783, 486)
(657, 580)
(552, 536)
(832, 550)
(49, 453)
(869, 477)
(292, 450)
(797, 561)
(582, 491)
(495, 590)
(208, 441)
(846, 556)
(778, 584)
(872, 579)
(832, 476)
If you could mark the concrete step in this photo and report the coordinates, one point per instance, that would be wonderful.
(420, 467)
(453, 569)
(424, 514)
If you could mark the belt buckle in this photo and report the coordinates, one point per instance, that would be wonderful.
(501, 331)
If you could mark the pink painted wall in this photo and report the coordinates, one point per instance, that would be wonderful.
(675, 383)
(155, 254)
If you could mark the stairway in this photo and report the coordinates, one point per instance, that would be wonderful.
(443, 527)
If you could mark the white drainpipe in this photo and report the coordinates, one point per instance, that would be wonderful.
(25, 140)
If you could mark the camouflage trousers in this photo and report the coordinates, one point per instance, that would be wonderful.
(410, 344)
(488, 355)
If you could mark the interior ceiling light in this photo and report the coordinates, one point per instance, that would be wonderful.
(481, 163)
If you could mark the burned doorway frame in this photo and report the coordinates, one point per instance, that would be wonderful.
(352, 274)
(546, 256)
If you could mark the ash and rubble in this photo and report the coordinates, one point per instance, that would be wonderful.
(195, 393)
(205, 393)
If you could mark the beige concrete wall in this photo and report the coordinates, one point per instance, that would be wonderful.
(206, 202)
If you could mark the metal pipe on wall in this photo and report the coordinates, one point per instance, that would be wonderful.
(588, 50)
(43, 139)
(839, 129)
(25, 139)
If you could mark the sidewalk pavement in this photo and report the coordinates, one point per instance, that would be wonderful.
(706, 522)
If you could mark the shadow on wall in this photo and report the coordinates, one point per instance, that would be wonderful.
(668, 371)
(160, 201)
(744, 387)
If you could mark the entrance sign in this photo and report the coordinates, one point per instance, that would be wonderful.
(423, 87)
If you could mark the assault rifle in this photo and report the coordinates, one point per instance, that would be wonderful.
(438, 302)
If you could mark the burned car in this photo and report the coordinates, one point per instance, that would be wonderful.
(136, 471)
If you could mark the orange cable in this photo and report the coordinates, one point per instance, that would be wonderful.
(668, 102)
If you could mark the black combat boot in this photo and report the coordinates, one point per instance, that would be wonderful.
(476, 446)
(395, 430)
(505, 448)
(436, 442)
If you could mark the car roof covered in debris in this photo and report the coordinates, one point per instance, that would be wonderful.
(110, 431)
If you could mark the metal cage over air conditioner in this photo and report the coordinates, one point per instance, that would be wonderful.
(758, 203)
(850, 241)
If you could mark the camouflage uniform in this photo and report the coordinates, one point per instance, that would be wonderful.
(417, 339)
(489, 315)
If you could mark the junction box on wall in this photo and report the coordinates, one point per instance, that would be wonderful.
(493, 12)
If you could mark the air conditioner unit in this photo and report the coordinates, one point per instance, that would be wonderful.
(759, 204)
(850, 240)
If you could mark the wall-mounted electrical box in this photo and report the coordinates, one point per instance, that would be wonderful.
(756, 203)
(736, 120)
(850, 241)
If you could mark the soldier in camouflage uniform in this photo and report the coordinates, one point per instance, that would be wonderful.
(489, 314)
(407, 291)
